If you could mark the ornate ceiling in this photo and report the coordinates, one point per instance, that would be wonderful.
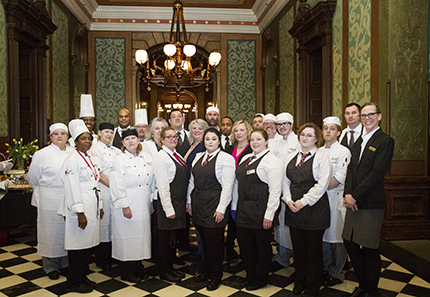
(216, 16)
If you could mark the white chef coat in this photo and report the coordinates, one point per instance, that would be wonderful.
(106, 155)
(281, 150)
(131, 185)
(150, 148)
(79, 183)
(339, 157)
(269, 171)
(225, 167)
(48, 194)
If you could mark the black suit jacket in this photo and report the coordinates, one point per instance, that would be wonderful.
(365, 177)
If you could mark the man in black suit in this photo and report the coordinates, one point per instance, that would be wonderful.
(354, 130)
(176, 120)
(364, 196)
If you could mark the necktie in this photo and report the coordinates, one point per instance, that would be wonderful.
(179, 138)
(227, 142)
(249, 161)
(303, 159)
(206, 161)
(351, 139)
(179, 159)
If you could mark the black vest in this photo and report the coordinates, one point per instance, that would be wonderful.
(117, 140)
(315, 217)
(253, 196)
(183, 149)
(178, 195)
(345, 143)
(206, 194)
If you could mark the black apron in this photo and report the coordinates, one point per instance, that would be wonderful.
(253, 197)
(206, 194)
(178, 195)
(315, 217)
(117, 140)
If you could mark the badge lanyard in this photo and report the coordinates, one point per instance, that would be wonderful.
(93, 168)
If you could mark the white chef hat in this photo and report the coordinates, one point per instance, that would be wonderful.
(87, 109)
(259, 114)
(285, 116)
(140, 117)
(56, 126)
(212, 108)
(269, 116)
(77, 127)
(331, 120)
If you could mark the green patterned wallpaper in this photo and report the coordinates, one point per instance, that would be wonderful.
(286, 63)
(241, 78)
(3, 75)
(337, 60)
(270, 83)
(60, 66)
(408, 57)
(359, 51)
(110, 78)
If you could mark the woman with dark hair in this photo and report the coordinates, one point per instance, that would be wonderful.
(256, 199)
(171, 176)
(209, 196)
(82, 207)
(305, 184)
(132, 186)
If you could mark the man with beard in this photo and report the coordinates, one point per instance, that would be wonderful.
(269, 125)
(212, 117)
(257, 121)
(123, 124)
(141, 123)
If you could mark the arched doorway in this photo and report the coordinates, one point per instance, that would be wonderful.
(184, 100)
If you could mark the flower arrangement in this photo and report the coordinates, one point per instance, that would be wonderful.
(21, 154)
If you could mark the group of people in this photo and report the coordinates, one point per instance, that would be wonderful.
(129, 193)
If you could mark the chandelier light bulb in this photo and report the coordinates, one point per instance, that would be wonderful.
(214, 58)
(186, 65)
(141, 56)
(189, 50)
(169, 49)
(169, 64)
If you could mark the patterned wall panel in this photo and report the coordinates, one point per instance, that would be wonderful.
(286, 63)
(241, 79)
(48, 81)
(270, 83)
(337, 60)
(408, 57)
(3, 75)
(60, 66)
(359, 51)
(110, 78)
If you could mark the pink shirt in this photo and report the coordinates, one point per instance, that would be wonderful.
(234, 153)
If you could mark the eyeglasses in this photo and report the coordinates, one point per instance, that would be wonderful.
(268, 124)
(59, 134)
(170, 137)
(283, 124)
(176, 117)
(307, 135)
(369, 115)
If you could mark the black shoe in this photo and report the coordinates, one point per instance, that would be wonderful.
(213, 284)
(179, 273)
(53, 275)
(105, 267)
(89, 282)
(82, 288)
(298, 289)
(143, 275)
(200, 277)
(178, 261)
(131, 278)
(358, 292)
(253, 287)
(275, 266)
(170, 277)
(331, 281)
(234, 263)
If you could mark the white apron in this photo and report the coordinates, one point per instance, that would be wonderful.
(106, 155)
(80, 196)
(44, 177)
(131, 185)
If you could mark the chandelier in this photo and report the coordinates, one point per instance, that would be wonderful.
(178, 70)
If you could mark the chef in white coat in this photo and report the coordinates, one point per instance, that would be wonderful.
(334, 251)
(104, 151)
(82, 208)
(48, 193)
(132, 185)
(87, 114)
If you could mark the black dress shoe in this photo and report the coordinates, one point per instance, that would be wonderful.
(298, 289)
(170, 277)
(178, 261)
(358, 292)
(89, 282)
(213, 284)
(275, 266)
(53, 275)
(179, 273)
(253, 287)
(82, 288)
(131, 278)
(200, 277)
(330, 281)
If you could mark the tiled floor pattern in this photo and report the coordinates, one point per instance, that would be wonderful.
(21, 274)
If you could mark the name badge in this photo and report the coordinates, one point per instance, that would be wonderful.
(251, 171)
(372, 148)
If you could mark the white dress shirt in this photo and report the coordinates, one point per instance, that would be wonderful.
(225, 167)
(366, 137)
(345, 133)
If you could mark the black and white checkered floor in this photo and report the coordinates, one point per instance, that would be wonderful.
(21, 274)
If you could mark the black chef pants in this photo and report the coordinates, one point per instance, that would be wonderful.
(78, 266)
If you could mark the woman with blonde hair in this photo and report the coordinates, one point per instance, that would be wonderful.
(197, 129)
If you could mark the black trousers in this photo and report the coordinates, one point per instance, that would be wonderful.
(154, 231)
(213, 248)
(103, 254)
(78, 266)
(166, 248)
(256, 250)
(367, 266)
(308, 258)
(131, 268)
(230, 252)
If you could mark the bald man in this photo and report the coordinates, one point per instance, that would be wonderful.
(123, 124)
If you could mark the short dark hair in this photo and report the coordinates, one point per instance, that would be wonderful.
(227, 117)
(176, 109)
(353, 104)
(213, 130)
